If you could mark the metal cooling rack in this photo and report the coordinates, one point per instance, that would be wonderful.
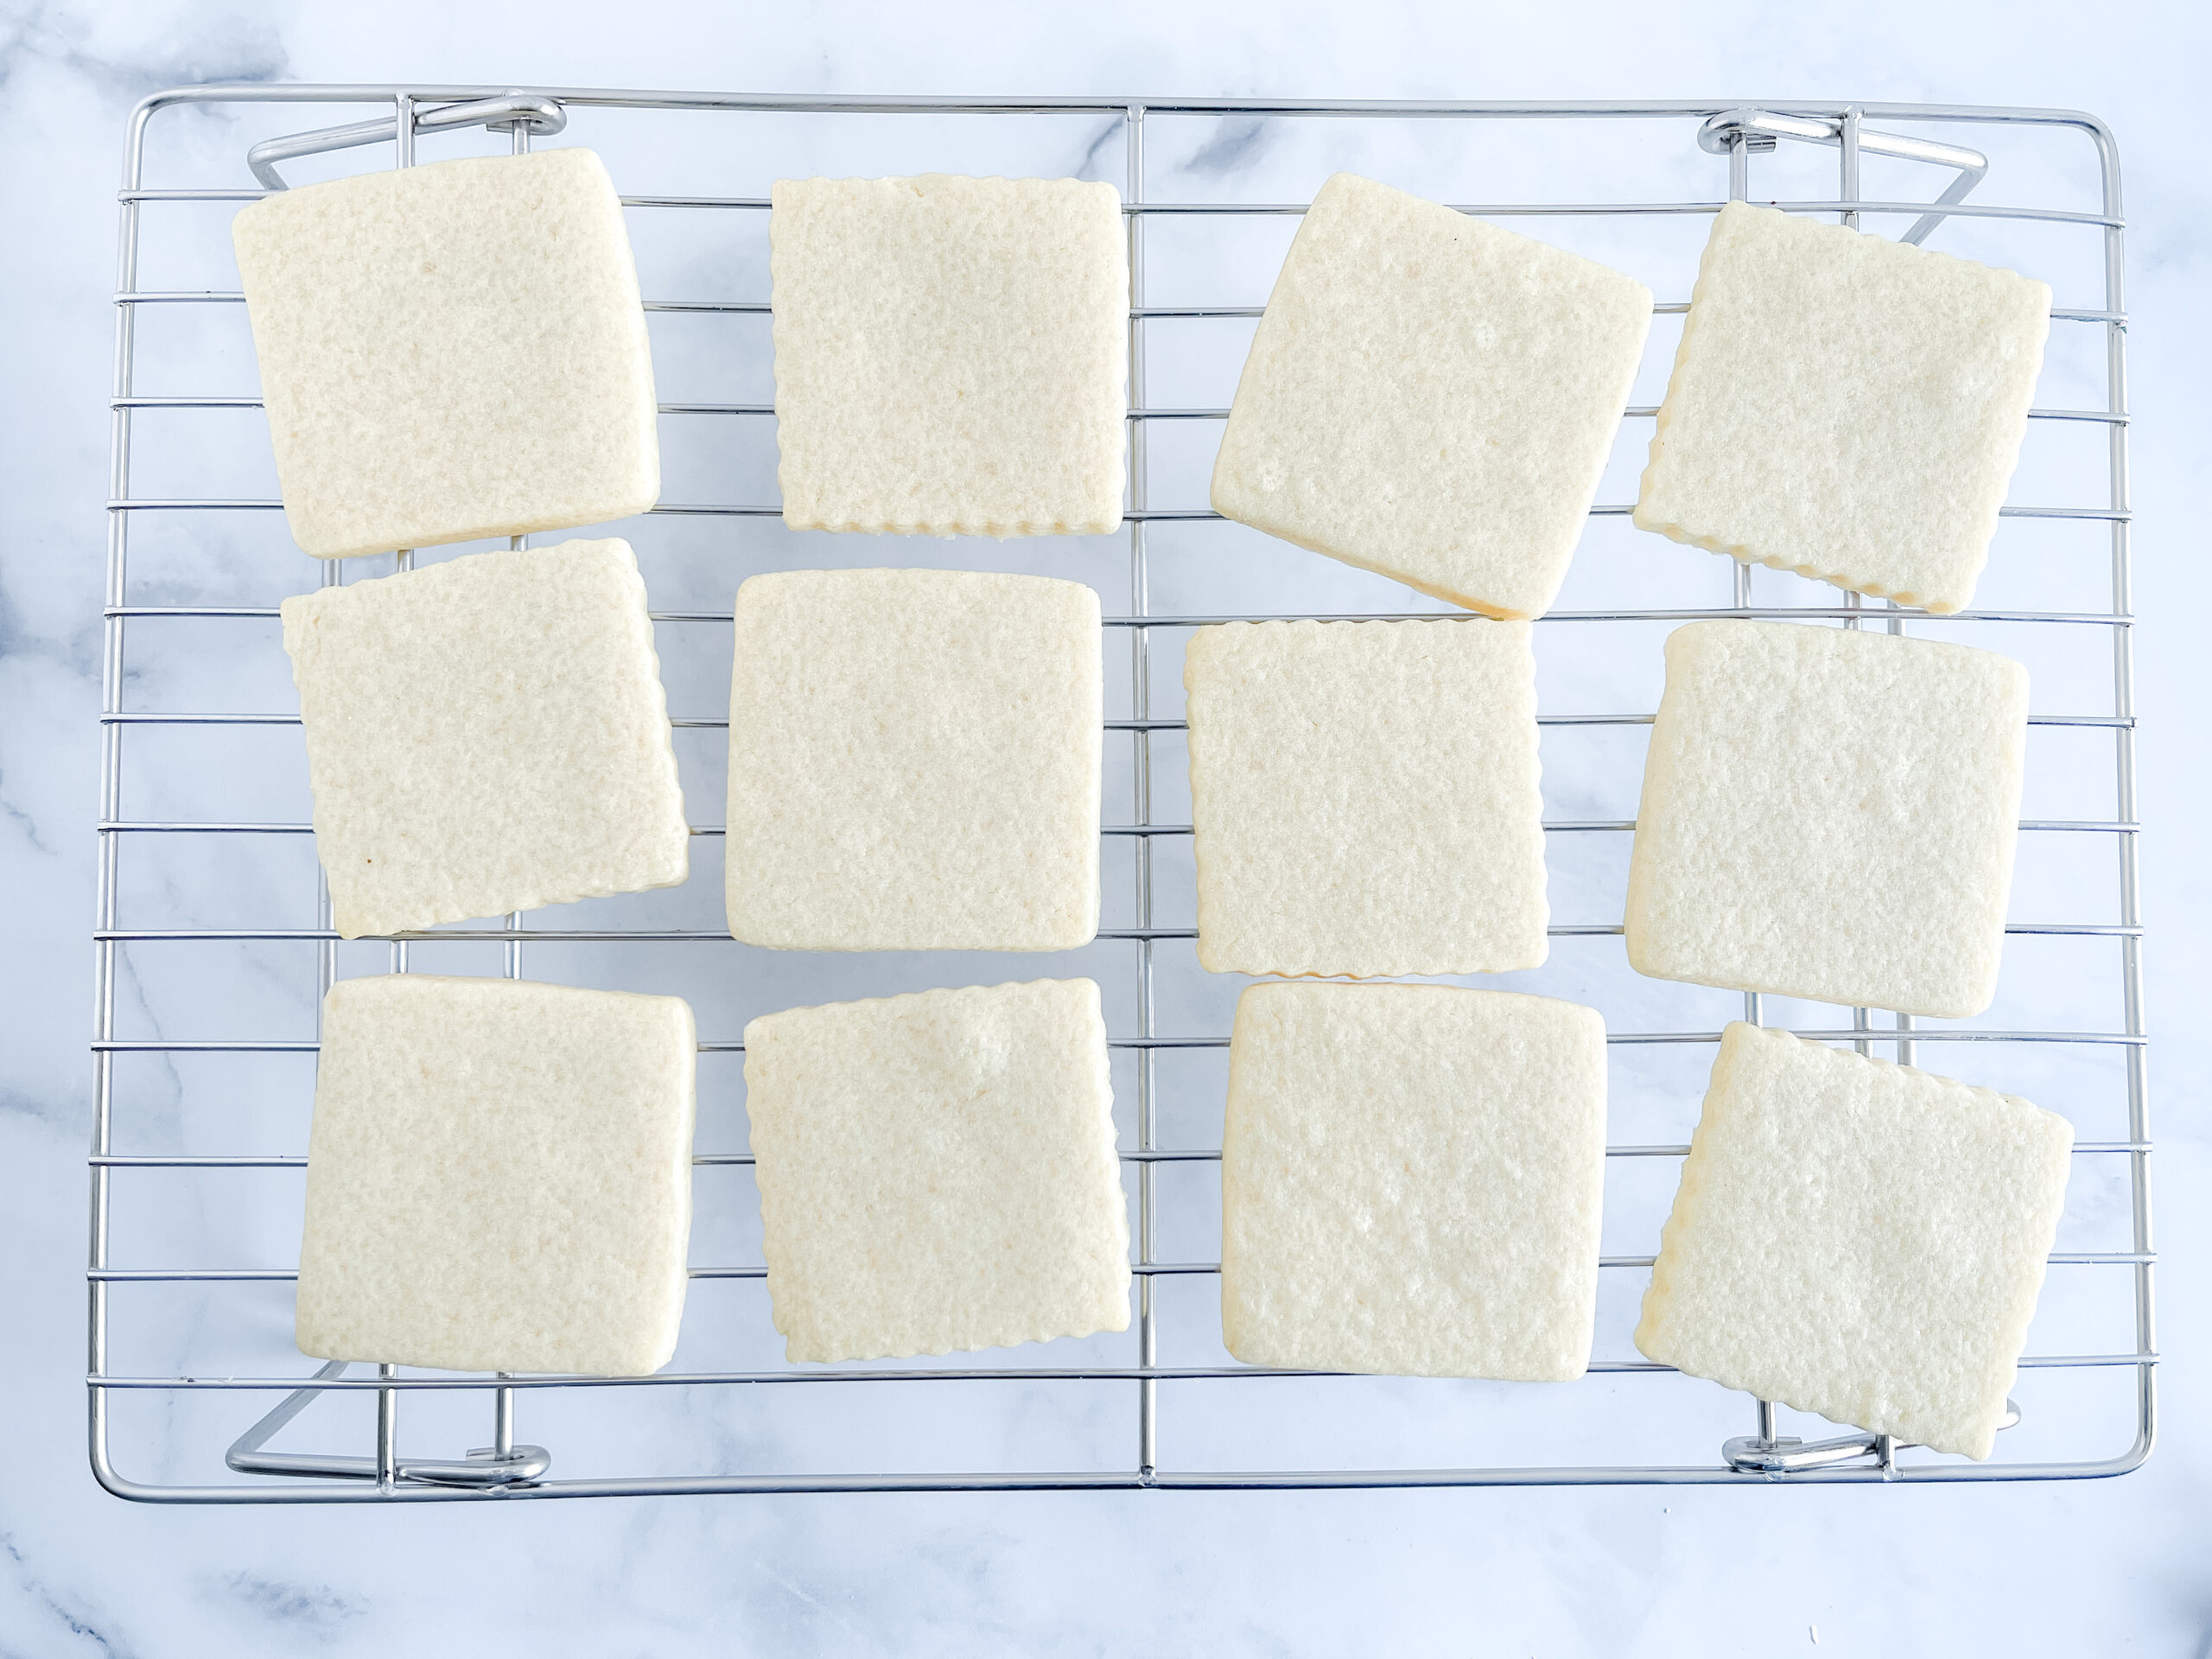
(379, 1470)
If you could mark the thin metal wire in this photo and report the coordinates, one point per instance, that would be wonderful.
(766, 509)
(1638, 411)
(104, 950)
(1803, 612)
(403, 127)
(2138, 1106)
(503, 1399)
(1142, 1270)
(762, 309)
(1140, 713)
(1142, 624)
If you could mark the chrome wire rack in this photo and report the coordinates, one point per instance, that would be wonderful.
(202, 824)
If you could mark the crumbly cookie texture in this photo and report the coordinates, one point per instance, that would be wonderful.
(950, 355)
(1431, 397)
(499, 1176)
(487, 735)
(1859, 1239)
(937, 1170)
(914, 762)
(1846, 406)
(1365, 798)
(1830, 814)
(1411, 1179)
(451, 351)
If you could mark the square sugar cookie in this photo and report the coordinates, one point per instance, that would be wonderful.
(1831, 815)
(1411, 1179)
(1431, 397)
(1859, 1239)
(451, 351)
(487, 735)
(1365, 798)
(914, 762)
(499, 1176)
(1845, 406)
(937, 1170)
(950, 355)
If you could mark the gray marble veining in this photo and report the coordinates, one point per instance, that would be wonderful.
(2111, 1566)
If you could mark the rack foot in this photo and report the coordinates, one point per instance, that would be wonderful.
(1769, 1454)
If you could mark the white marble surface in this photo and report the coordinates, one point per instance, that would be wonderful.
(2108, 1566)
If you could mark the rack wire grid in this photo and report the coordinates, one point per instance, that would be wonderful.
(210, 969)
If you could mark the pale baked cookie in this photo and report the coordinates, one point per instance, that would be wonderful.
(1845, 406)
(499, 1176)
(1365, 798)
(950, 355)
(1858, 1239)
(1431, 396)
(1411, 1181)
(937, 1170)
(914, 762)
(451, 351)
(1831, 815)
(487, 735)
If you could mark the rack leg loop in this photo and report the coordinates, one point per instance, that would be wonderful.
(487, 1468)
